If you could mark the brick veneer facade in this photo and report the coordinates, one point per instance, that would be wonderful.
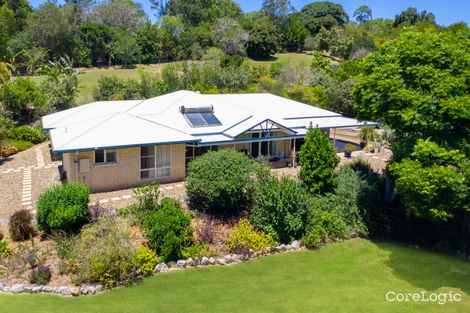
(124, 173)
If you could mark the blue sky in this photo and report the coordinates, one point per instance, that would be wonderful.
(446, 11)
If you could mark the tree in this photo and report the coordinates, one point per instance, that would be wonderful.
(276, 8)
(296, 34)
(51, 29)
(317, 159)
(126, 49)
(363, 14)
(323, 14)
(195, 12)
(415, 84)
(97, 40)
(411, 16)
(7, 28)
(230, 37)
(22, 101)
(60, 86)
(263, 41)
(121, 14)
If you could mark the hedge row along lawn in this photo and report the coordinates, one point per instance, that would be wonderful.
(351, 276)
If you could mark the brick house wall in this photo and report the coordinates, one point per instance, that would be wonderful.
(124, 173)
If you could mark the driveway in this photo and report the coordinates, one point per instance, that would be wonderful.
(22, 178)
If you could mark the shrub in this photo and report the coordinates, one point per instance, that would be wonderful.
(349, 147)
(63, 207)
(244, 237)
(323, 226)
(219, 181)
(198, 250)
(40, 275)
(6, 151)
(20, 227)
(4, 248)
(6, 125)
(168, 229)
(29, 133)
(146, 260)
(21, 145)
(318, 159)
(114, 88)
(147, 196)
(280, 207)
(104, 253)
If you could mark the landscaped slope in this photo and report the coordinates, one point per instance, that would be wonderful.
(352, 276)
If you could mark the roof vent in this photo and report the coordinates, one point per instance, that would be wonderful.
(196, 109)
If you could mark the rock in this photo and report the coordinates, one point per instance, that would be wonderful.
(269, 250)
(157, 268)
(251, 251)
(47, 289)
(296, 244)
(1, 286)
(17, 288)
(181, 263)
(89, 290)
(204, 260)
(164, 267)
(189, 262)
(254, 255)
(171, 264)
(28, 289)
(235, 258)
(65, 291)
(220, 261)
(289, 247)
(37, 289)
(196, 262)
(75, 291)
(228, 259)
(280, 248)
(212, 261)
(6, 289)
(99, 288)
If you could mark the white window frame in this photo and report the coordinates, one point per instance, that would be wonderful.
(105, 152)
(156, 168)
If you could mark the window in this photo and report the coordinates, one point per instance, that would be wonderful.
(154, 162)
(105, 156)
(202, 119)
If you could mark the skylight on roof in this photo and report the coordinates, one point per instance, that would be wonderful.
(200, 116)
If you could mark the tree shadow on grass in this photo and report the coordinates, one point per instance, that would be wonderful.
(426, 269)
(270, 58)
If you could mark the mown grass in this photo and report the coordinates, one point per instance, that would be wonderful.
(351, 276)
(88, 79)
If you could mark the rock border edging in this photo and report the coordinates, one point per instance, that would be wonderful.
(76, 291)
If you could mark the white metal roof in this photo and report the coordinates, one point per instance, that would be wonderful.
(113, 124)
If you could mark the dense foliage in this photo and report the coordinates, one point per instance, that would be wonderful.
(244, 237)
(63, 207)
(280, 207)
(219, 182)
(20, 226)
(168, 229)
(318, 159)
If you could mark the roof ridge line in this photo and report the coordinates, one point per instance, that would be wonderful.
(94, 126)
(150, 121)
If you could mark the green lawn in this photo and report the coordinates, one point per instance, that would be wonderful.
(88, 80)
(351, 276)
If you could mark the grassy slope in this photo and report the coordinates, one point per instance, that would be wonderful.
(351, 276)
(88, 80)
